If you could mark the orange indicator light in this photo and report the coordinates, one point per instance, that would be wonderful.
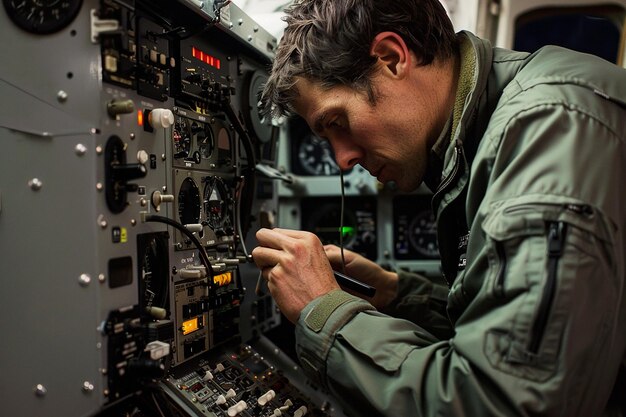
(190, 326)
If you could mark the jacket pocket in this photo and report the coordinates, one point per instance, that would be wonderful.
(541, 251)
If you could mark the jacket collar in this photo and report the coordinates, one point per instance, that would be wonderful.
(475, 61)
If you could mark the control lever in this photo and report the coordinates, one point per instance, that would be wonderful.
(274, 174)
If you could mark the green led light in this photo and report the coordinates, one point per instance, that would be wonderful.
(347, 231)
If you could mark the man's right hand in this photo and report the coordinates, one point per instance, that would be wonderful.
(362, 269)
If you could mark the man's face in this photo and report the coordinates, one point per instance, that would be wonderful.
(391, 139)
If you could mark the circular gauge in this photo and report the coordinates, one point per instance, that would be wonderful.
(182, 139)
(42, 16)
(223, 146)
(316, 156)
(189, 202)
(261, 125)
(204, 138)
(325, 224)
(215, 203)
(423, 234)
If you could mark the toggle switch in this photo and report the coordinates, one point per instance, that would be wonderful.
(161, 118)
(117, 107)
(158, 198)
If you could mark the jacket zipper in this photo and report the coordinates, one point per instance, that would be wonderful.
(580, 209)
(556, 241)
(499, 285)
(458, 150)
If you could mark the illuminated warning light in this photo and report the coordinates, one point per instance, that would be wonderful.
(206, 58)
(223, 279)
(190, 326)
(140, 118)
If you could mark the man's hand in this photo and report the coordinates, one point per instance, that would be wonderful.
(295, 266)
(362, 269)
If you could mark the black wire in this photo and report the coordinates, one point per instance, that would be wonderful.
(246, 141)
(237, 210)
(243, 134)
(203, 255)
(343, 197)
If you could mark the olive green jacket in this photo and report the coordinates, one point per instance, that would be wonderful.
(534, 322)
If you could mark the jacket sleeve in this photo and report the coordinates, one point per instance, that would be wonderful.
(541, 326)
(422, 301)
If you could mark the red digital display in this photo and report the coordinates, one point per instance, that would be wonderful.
(206, 58)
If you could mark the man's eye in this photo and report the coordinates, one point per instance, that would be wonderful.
(334, 123)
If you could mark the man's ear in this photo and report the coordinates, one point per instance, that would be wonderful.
(393, 54)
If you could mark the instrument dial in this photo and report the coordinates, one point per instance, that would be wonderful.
(423, 234)
(189, 202)
(415, 228)
(322, 216)
(42, 16)
(204, 138)
(261, 124)
(216, 203)
(182, 139)
(316, 156)
(326, 225)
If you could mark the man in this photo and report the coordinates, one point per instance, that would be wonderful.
(526, 158)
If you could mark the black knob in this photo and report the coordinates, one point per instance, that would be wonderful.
(127, 172)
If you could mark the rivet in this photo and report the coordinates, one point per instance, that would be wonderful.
(132, 136)
(163, 157)
(40, 390)
(99, 186)
(62, 96)
(101, 277)
(99, 150)
(87, 387)
(35, 184)
(80, 149)
(84, 280)
(133, 222)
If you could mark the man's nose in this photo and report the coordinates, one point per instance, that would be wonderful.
(347, 154)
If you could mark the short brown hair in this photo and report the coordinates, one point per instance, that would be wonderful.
(328, 42)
